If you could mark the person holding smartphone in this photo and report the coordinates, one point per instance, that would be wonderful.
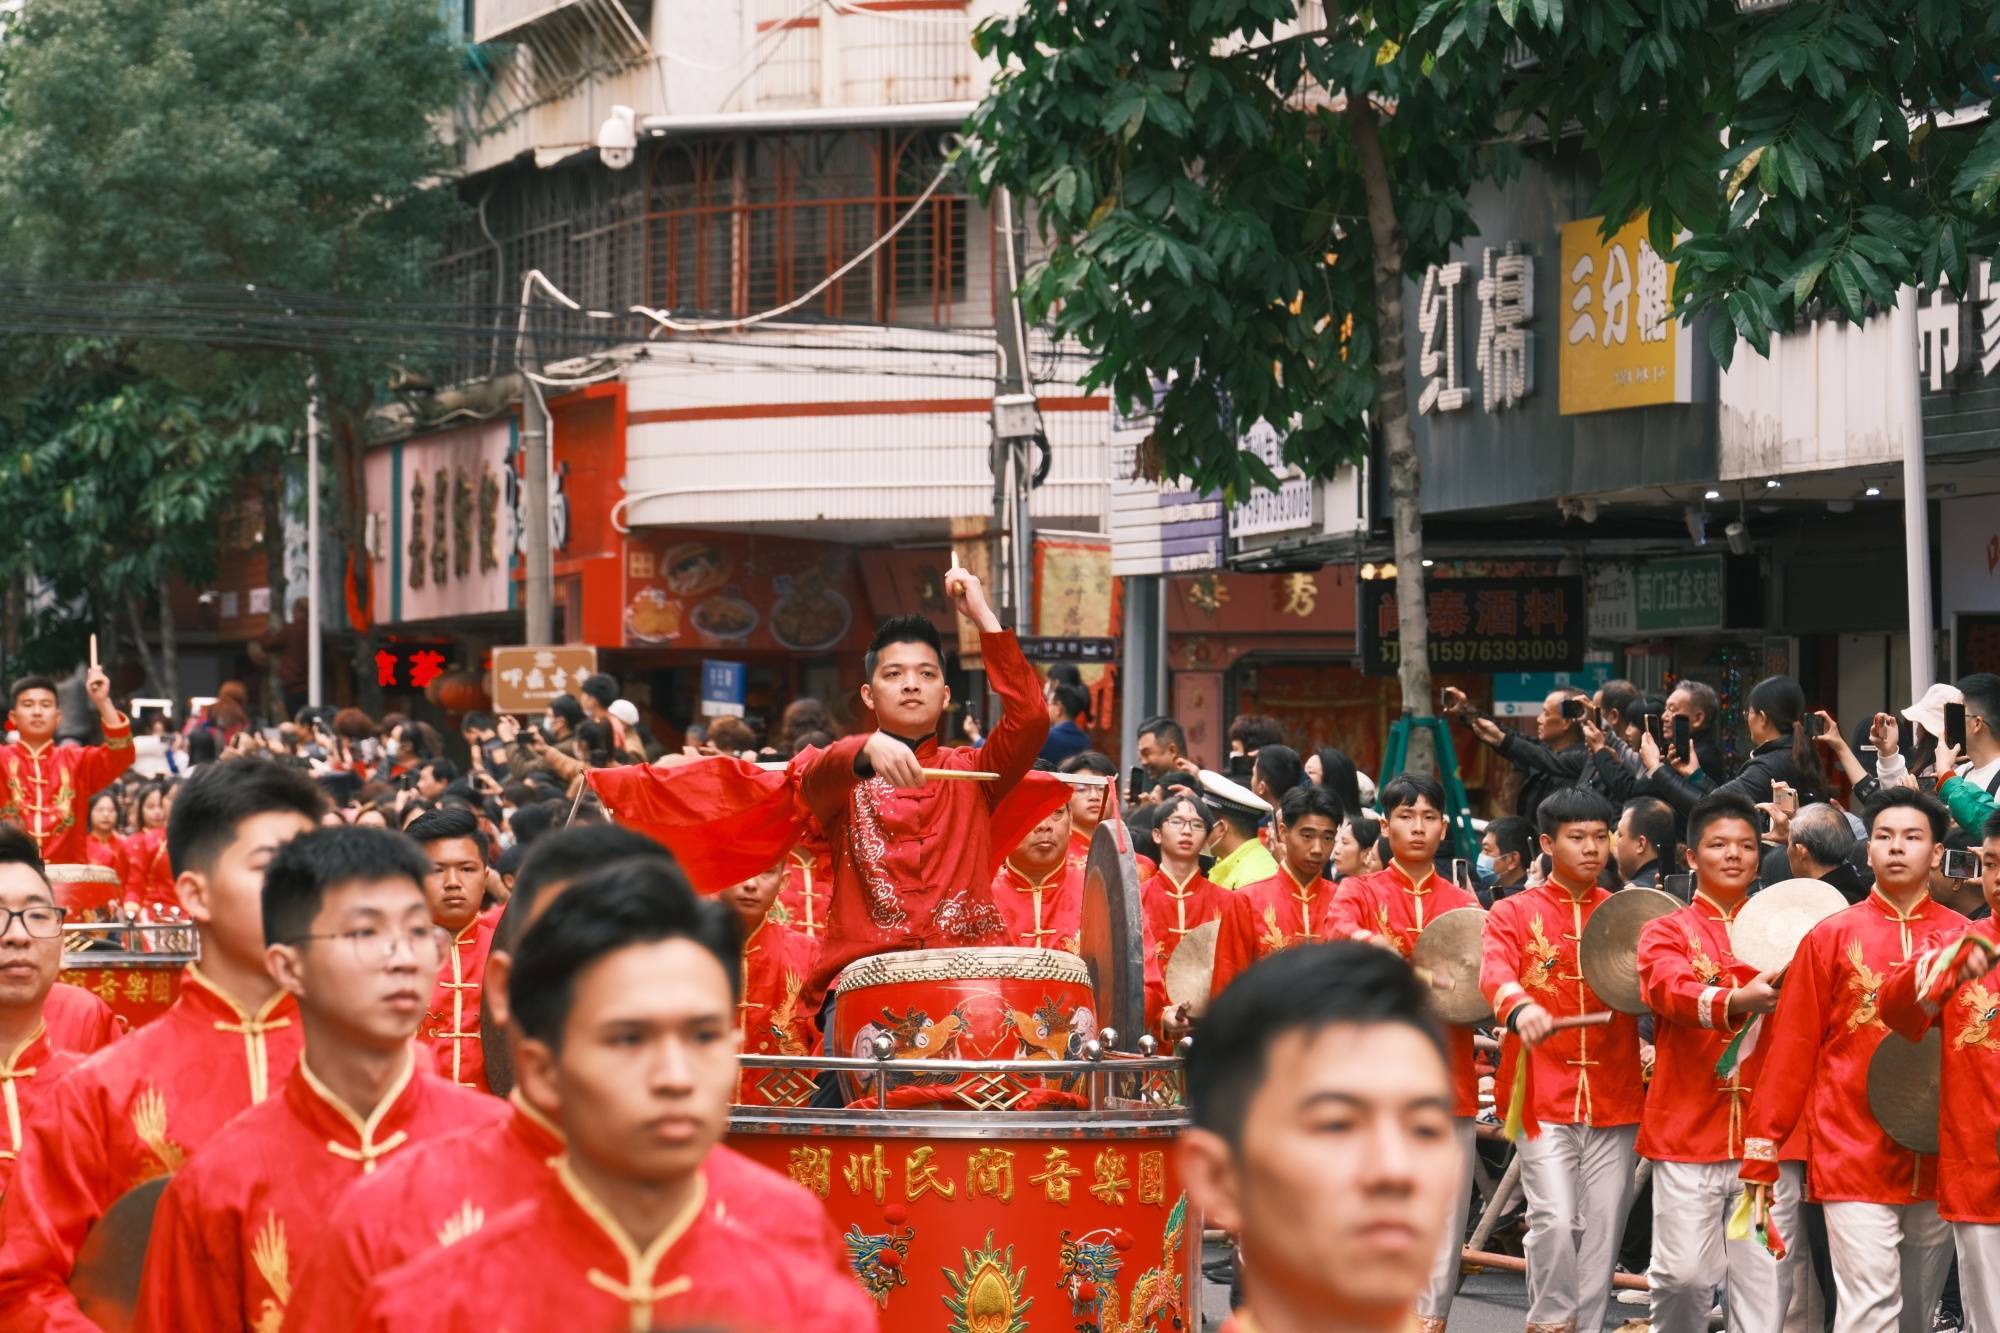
(1557, 758)
(1968, 756)
(1783, 752)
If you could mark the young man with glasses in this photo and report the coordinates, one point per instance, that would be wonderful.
(1180, 898)
(350, 938)
(137, 1110)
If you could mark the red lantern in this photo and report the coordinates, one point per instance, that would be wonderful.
(460, 692)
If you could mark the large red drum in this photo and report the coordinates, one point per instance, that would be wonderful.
(960, 1004)
(86, 892)
(138, 990)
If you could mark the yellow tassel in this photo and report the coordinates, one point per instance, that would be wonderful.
(1517, 1102)
(1740, 1217)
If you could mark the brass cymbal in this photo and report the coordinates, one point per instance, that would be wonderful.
(1609, 950)
(1449, 950)
(1192, 966)
(105, 1279)
(1903, 1089)
(1776, 920)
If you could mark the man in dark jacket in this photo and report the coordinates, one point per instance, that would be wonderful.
(1697, 701)
(1645, 844)
(1820, 844)
(1558, 759)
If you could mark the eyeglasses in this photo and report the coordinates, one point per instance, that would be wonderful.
(1184, 824)
(41, 923)
(426, 943)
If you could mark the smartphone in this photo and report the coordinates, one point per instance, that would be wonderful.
(1683, 737)
(1906, 735)
(1784, 797)
(1653, 729)
(1573, 710)
(1681, 886)
(1240, 767)
(1461, 873)
(1135, 784)
(1814, 724)
(1954, 726)
(1960, 863)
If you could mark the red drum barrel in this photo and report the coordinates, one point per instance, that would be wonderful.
(136, 969)
(961, 1004)
(86, 892)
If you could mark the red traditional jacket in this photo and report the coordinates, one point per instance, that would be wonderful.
(808, 880)
(1687, 968)
(134, 1111)
(235, 1221)
(1391, 904)
(1919, 993)
(1264, 917)
(451, 1023)
(27, 1074)
(776, 962)
(417, 1203)
(46, 789)
(913, 869)
(1579, 1076)
(79, 1021)
(1821, 1037)
(1041, 914)
(751, 1252)
(148, 882)
(1172, 910)
(110, 854)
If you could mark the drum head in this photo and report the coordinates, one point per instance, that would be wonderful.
(105, 1280)
(1903, 1089)
(1114, 928)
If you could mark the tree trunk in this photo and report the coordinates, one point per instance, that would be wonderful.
(146, 658)
(272, 486)
(170, 658)
(1392, 412)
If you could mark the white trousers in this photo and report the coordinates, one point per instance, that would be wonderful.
(1435, 1303)
(1578, 1183)
(1978, 1275)
(1692, 1255)
(1889, 1262)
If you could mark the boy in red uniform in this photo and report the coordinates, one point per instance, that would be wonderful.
(1287, 908)
(440, 1192)
(1889, 1248)
(31, 1060)
(776, 962)
(1039, 889)
(625, 993)
(351, 940)
(1321, 1102)
(456, 889)
(142, 1105)
(46, 789)
(1088, 804)
(1691, 1128)
(1583, 1085)
(1391, 908)
(1955, 984)
(1179, 898)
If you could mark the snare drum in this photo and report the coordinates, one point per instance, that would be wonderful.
(962, 1004)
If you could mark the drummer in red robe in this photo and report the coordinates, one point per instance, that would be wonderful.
(456, 889)
(31, 1059)
(1884, 1235)
(1287, 908)
(443, 1190)
(1581, 1088)
(1954, 983)
(1039, 888)
(350, 939)
(1179, 897)
(138, 1109)
(625, 993)
(776, 962)
(1391, 907)
(1702, 996)
(46, 788)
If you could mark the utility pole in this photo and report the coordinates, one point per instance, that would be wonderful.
(1016, 426)
(1916, 500)
(314, 693)
(539, 585)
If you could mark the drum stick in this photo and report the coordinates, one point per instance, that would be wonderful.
(93, 652)
(1581, 1021)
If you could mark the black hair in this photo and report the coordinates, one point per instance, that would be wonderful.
(566, 707)
(1367, 829)
(1174, 800)
(443, 770)
(1302, 989)
(1165, 730)
(1256, 731)
(203, 747)
(218, 798)
(1089, 761)
(1912, 799)
(1981, 690)
(1516, 835)
(1306, 800)
(1280, 768)
(902, 629)
(1717, 805)
(477, 721)
(562, 856)
(1783, 703)
(531, 822)
(1573, 805)
(446, 823)
(19, 849)
(1824, 834)
(640, 901)
(1073, 700)
(26, 683)
(1338, 775)
(600, 687)
(1409, 788)
(311, 865)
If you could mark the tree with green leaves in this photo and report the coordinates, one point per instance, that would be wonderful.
(1232, 192)
(210, 150)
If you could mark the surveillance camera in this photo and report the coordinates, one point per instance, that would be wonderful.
(1739, 537)
(618, 137)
